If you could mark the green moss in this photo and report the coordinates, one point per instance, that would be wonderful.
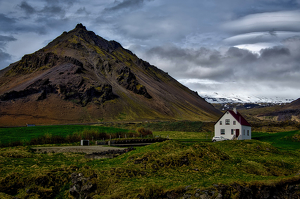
(150, 170)
(139, 86)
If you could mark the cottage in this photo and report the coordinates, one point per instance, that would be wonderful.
(232, 125)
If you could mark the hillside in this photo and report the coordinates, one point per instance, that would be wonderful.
(80, 77)
(288, 112)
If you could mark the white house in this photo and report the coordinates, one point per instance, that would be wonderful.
(232, 125)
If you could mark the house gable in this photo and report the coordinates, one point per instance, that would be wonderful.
(237, 116)
(233, 125)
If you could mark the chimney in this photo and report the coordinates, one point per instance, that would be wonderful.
(234, 110)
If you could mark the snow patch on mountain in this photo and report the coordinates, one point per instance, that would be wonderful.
(233, 98)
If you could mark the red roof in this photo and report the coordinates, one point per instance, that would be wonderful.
(239, 118)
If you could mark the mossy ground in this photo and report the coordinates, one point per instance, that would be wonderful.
(152, 170)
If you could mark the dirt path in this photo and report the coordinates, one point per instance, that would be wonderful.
(74, 149)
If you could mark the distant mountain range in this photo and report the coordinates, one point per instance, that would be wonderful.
(219, 99)
(263, 108)
(80, 77)
(288, 112)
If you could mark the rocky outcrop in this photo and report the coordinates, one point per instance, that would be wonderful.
(39, 61)
(127, 79)
(30, 63)
(84, 94)
(290, 189)
(248, 191)
(77, 91)
(82, 186)
(18, 94)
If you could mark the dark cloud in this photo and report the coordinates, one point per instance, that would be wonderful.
(61, 2)
(52, 7)
(7, 23)
(27, 8)
(82, 11)
(5, 59)
(53, 11)
(272, 65)
(126, 4)
(204, 57)
(293, 43)
(6, 38)
(38, 19)
(244, 55)
(275, 52)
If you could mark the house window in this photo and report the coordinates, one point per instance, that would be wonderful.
(220, 122)
(227, 122)
(248, 132)
(232, 131)
(222, 131)
(234, 122)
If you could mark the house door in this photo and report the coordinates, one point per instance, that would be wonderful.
(237, 133)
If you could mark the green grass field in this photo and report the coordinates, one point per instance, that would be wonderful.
(281, 140)
(185, 136)
(153, 170)
(25, 134)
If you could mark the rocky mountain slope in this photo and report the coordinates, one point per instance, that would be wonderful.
(289, 112)
(81, 77)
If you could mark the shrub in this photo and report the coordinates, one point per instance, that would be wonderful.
(296, 137)
(12, 144)
(144, 132)
(73, 138)
(94, 134)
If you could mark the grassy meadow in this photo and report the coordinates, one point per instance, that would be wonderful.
(25, 134)
(190, 160)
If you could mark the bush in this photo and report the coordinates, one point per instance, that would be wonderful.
(144, 132)
(12, 144)
(296, 137)
(73, 138)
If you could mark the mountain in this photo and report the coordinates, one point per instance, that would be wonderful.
(288, 112)
(80, 77)
(294, 104)
(233, 98)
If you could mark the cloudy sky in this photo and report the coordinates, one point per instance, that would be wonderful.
(245, 48)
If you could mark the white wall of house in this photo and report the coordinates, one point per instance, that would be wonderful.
(228, 127)
(245, 133)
